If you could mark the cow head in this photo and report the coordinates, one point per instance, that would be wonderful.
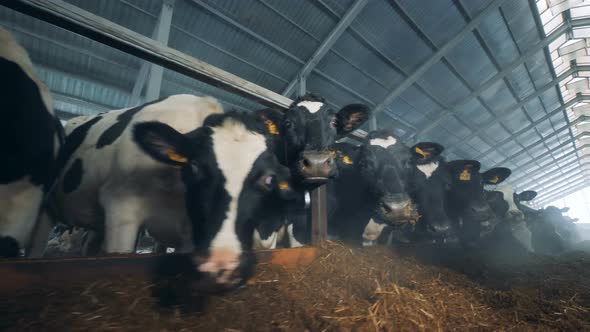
(385, 164)
(467, 199)
(307, 130)
(229, 174)
(507, 203)
(429, 183)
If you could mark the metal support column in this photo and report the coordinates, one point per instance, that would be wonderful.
(154, 83)
(319, 201)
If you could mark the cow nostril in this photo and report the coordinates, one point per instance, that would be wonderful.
(306, 163)
(386, 208)
(328, 162)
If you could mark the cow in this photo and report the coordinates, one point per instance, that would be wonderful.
(466, 202)
(371, 188)
(31, 137)
(302, 138)
(228, 174)
(428, 182)
(194, 177)
(512, 226)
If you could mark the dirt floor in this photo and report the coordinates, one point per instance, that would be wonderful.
(371, 289)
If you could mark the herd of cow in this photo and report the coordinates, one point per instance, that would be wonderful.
(219, 184)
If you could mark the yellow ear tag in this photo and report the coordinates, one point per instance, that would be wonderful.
(465, 175)
(422, 152)
(346, 159)
(173, 155)
(272, 127)
(495, 179)
(283, 185)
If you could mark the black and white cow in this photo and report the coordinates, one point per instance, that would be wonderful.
(466, 202)
(194, 177)
(30, 137)
(512, 226)
(371, 190)
(429, 184)
(302, 138)
(228, 175)
(102, 185)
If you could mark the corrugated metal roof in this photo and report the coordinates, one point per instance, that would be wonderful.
(268, 41)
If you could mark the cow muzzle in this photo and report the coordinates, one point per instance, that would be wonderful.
(398, 209)
(515, 216)
(222, 266)
(317, 166)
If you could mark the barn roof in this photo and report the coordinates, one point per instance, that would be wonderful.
(501, 81)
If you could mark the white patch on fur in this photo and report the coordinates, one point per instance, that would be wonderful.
(521, 233)
(269, 243)
(19, 205)
(312, 106)
(508, 193)
(428, 169)
(236, 149)
(383, 142)
(307, 198)
(292, 240)
(373, 231)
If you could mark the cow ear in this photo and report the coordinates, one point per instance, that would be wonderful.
(162, 142)
(278, 183)
(272, 120)
(564, 209)
(343, 160)
(351, 117)
(496, 175)
(527, 195)
(426, 151)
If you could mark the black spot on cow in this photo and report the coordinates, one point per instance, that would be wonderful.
(8, 247)
(74, 140)
(73, 177)
(26, 129)
(113, 132)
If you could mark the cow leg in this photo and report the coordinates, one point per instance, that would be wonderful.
(122, 223)
(92, 243)
(20, 203)
(40, 236)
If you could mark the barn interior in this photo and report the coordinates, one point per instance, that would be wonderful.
(503, 82)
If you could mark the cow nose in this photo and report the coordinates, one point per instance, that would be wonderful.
(480, 209)
(398, 209)
(317, 166)
(516, 215)
(221, 265)
(440, 229)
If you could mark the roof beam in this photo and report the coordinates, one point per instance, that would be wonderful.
(561, 194)
(504, 114)
(154, 84)
(508, 69)
(545, 176)
(553, 160)
(144, 70)
(438, 55)
(327, 44)
(554, 112)
(572, 181)
(60, 100)
(72, 18)
(567, 182)
(528, 180)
